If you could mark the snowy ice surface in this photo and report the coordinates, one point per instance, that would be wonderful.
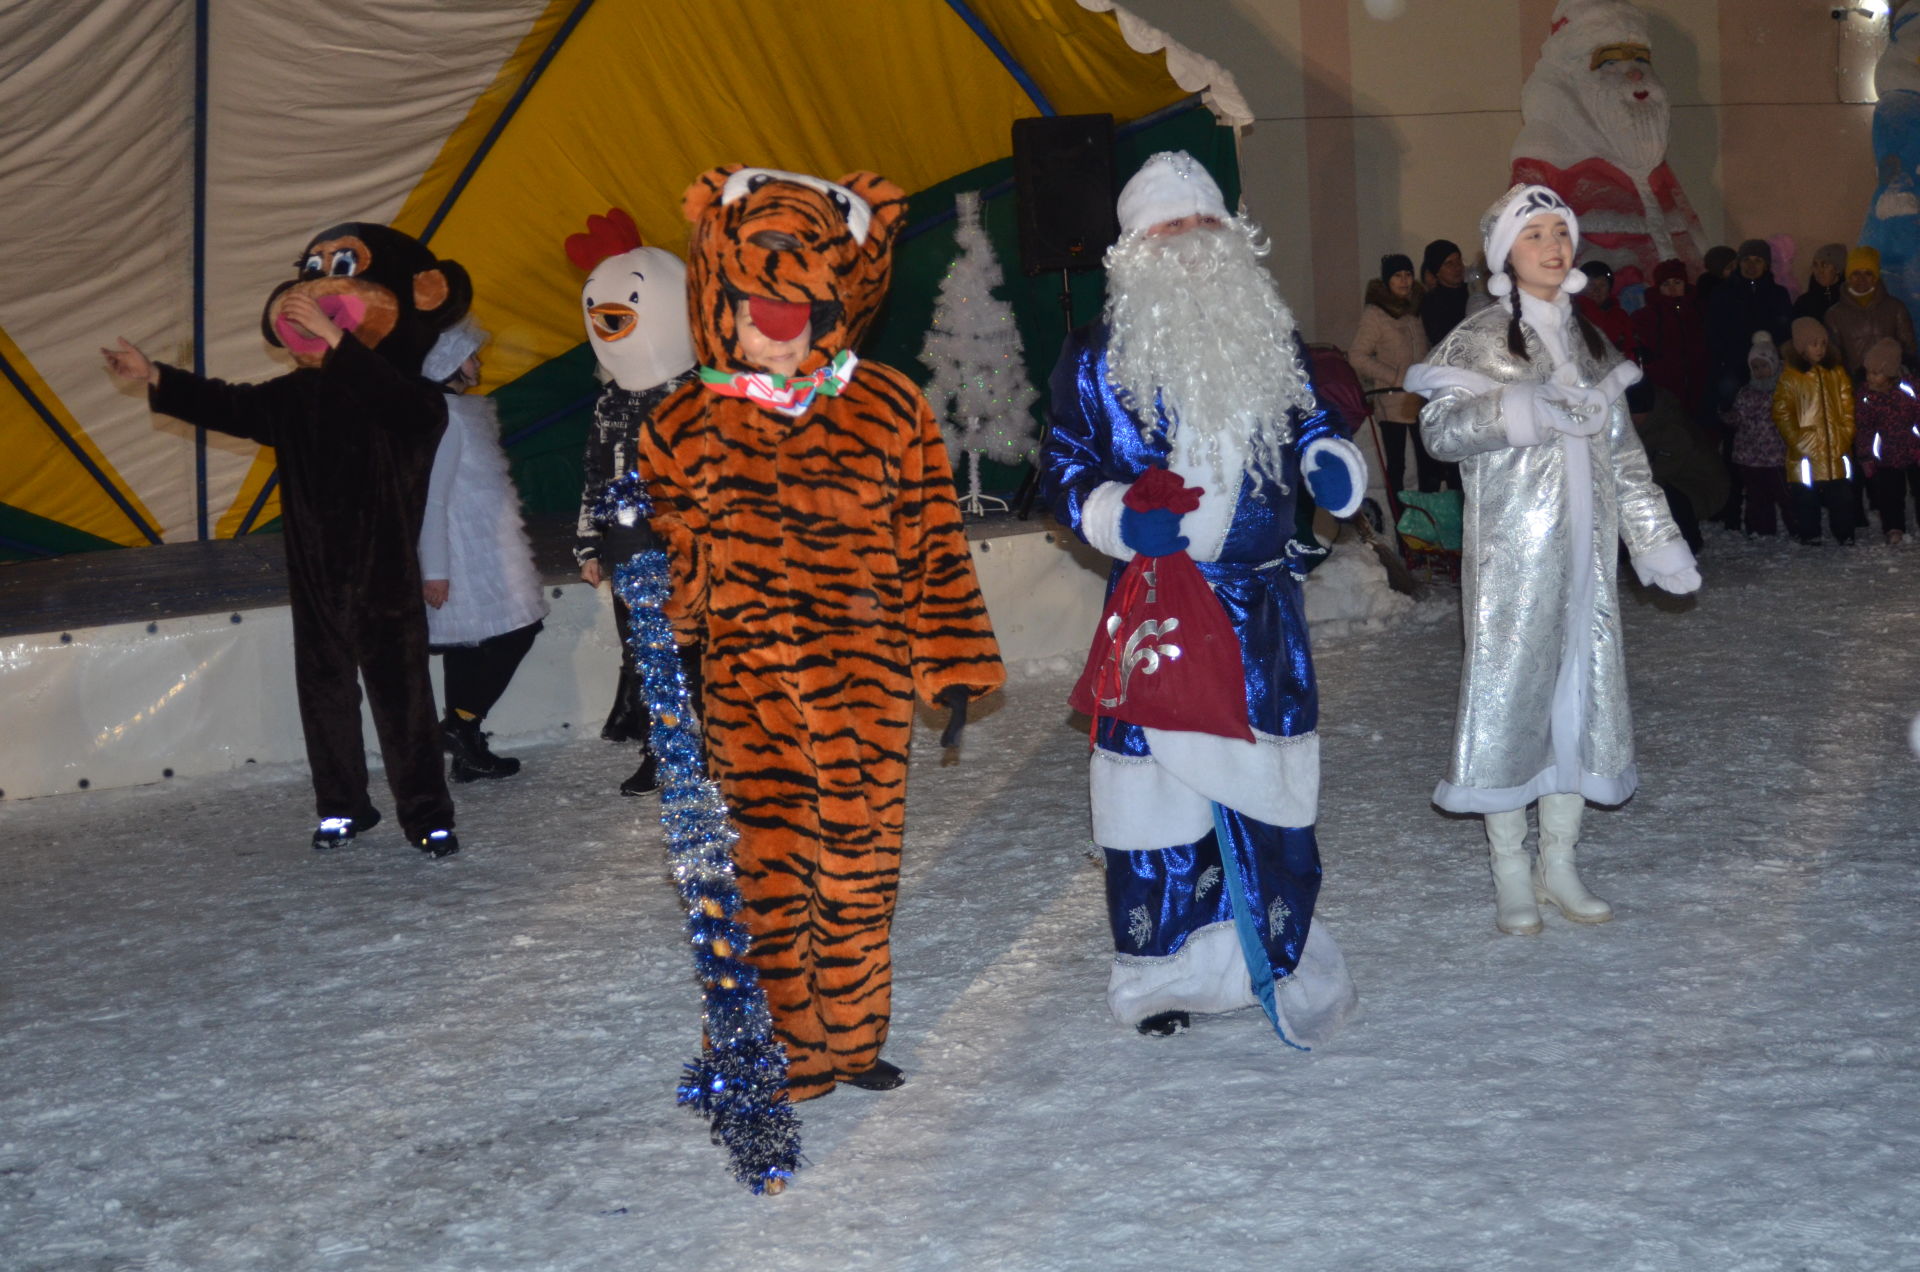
(221, 1050)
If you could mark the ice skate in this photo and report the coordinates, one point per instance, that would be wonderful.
(334, 831)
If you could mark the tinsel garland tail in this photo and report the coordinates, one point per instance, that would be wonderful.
(739, 1081)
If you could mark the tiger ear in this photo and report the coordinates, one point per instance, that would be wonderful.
(889, 204)
(705, 190)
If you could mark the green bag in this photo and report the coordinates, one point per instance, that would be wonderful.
(1431, 519)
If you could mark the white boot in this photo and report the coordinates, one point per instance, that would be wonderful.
(1514, 910)
(1554, 879)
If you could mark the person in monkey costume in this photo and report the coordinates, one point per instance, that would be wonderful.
(806, 504)
(354, 427)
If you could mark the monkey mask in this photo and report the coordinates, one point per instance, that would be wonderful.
(380, 286)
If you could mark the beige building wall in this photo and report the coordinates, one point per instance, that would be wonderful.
(1374, 136)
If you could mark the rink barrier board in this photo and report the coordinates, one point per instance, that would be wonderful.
(127, 704)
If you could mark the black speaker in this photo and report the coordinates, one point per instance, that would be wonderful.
(1063, 178)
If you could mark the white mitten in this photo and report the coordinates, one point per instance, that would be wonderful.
(1575, 411)
(1680, 583)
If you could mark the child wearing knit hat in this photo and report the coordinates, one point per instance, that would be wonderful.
(1886, 440)
(1759, 453)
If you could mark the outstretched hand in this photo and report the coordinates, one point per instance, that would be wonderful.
(127, 363)
(954, 699)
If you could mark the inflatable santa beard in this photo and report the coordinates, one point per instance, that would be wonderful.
(1595, 120)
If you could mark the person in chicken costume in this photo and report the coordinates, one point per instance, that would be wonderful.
(634, 304)
(1594, 130)
(806, 504)
(1197, 378)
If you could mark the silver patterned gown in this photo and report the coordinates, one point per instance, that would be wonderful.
(1543, 689)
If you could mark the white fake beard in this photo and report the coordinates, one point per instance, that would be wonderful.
(1195, 319)
(1633, 134)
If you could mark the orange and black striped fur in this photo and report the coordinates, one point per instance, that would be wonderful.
(820, 562)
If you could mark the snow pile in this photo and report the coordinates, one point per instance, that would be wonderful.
(1348, 592)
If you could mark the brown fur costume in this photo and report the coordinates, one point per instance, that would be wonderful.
(821, 562)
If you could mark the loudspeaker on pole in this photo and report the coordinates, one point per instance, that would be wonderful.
(1063, 182)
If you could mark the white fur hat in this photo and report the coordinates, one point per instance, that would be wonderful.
(451, 351)
(1170, 185)
(1508, 216)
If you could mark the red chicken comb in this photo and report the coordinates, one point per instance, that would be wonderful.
(608, 235)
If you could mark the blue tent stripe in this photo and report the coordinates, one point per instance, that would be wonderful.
(66, 439)
(999, 50)
(259, 501)
(200, 28)
(506, 116)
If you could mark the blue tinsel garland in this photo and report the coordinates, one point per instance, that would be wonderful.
(739, 1081)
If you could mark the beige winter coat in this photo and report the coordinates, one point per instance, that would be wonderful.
(1383, 348)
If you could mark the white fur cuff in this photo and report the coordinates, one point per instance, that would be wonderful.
(1100, 519)
(1346, 453)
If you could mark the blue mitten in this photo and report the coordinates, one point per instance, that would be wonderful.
(1152, 534)
(1335, 472)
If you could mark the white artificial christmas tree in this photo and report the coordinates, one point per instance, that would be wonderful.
(979, 387)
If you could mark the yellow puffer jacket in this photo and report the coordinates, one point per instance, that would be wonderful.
(1813, 409)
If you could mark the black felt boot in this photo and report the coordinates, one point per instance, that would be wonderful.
(471, 756)
(335, 831)
(438, 843)
(645, 779)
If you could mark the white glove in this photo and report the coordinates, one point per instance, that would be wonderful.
(1680, 582)
(1574, 410)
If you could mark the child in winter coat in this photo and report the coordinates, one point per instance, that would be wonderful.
(1759, 452)
(1887, 440)
(1813, 411)
(484, 603)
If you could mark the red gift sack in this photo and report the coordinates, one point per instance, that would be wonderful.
(1165, 656)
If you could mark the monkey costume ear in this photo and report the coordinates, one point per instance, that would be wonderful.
(443, 294)
(266, 314)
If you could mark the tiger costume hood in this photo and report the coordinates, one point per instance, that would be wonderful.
(795, 240)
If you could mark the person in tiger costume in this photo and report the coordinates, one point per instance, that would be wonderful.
(805, 500)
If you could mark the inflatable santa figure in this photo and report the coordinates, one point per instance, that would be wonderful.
(1893, 222)
(1595, 132)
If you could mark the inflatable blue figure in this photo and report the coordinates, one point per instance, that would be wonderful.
(1893, 222)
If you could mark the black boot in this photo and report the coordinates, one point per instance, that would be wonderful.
(645, 779)
(627, 721)
(334, 831)
(471, 756)
(882, 1077)
(438, 843)
(1166, 1024)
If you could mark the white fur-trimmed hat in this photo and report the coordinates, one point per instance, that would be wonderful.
(455, 345)
(1170, 185)
(1508, 216)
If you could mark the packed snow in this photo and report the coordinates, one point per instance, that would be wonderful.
(221, 1050)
